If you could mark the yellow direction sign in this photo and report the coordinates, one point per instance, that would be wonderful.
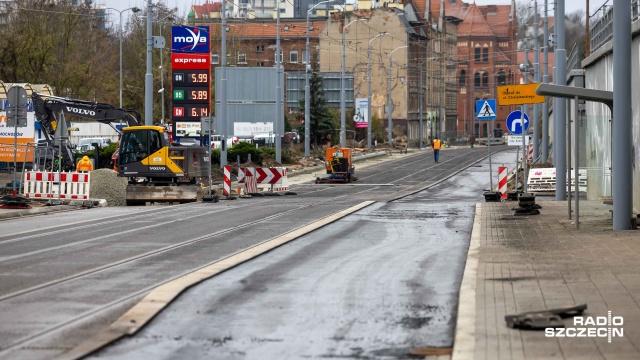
(519, 94)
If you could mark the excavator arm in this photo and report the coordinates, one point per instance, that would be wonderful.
(48, 109)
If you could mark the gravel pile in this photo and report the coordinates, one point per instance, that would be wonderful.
(105, 184)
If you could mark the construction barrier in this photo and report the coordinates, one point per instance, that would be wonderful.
(53, 185)
(502, 181)
(226, 187)
(268, 179)
(530, 156)
(543, 181)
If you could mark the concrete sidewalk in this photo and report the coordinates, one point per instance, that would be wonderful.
(530, 263)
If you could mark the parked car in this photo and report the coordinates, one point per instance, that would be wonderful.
(86, 144)
(264, 139)
(216, 141)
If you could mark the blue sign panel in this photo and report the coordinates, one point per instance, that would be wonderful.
(486, 109)
(187, 39)
(514, 122)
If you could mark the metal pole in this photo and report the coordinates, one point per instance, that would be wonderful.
(389, 107)
(148, 77)
(622, 115)
(343, 139)
(420, 112)
(370, 119)
(279, 117)
(369, 115)
(120, 62)
(576, 125)
(524, 133)
(15, 140)
(545, 79)
(390, 103)
(517, 156)
(568, 154)
(161, 79)
(561, 79)
(223, 88)
(536, 78)
(307, 94)
(210, 121)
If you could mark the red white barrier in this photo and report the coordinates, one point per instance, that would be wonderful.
(502, 181)
(53, 185)
(226, 188)
(249, 179)
(530, 156)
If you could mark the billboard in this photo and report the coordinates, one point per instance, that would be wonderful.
(361, 117)
(187, 39)
(24, 135)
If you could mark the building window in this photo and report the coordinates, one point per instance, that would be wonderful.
(242, 57)
(293, 56)
(485, 79)
(502, 78)
(477, 54)
(476, 79)
(463, 78)
(485, 55)
(276, 59)
(215, 58)
(260, 48)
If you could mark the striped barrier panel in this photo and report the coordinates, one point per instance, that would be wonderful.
(226, 188)
(502, 181)
(530, 156)
(53, 185)
(250, 180)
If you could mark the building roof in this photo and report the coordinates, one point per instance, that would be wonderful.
(474, 24)
(268, 29)
(205, 9)
(498, 16)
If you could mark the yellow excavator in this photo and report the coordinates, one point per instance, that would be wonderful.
(158, 171)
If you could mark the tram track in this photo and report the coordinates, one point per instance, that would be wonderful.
(132, 260)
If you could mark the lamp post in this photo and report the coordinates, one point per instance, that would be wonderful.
(389, 102)
(148, 76)
(307, 91)
(276, 124)
(343, 136)
(135, 10)
(369, 115)
(161, 68)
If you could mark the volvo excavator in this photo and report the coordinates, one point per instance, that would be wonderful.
(158, 171)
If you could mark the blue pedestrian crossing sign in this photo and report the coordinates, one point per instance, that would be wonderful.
(486, 109)
(514, 122)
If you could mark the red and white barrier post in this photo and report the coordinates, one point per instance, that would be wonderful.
(502, 181)
(530, 156)
(226, 188)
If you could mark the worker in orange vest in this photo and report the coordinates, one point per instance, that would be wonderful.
(84, 165)
(436, 148)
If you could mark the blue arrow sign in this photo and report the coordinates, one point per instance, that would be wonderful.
(486, 109)
(514, 122)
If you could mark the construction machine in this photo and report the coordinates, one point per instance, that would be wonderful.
(158, 171)
(338, 165)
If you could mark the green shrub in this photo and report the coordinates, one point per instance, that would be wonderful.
(271, 152)
(244, 149)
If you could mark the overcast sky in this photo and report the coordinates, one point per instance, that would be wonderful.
(183, 6)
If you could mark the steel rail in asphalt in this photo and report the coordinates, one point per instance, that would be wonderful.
(83, 316)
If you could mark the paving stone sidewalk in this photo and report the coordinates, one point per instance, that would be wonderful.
(529, 263)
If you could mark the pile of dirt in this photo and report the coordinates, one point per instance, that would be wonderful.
(106, 184)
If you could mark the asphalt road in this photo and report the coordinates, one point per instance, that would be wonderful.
(373, 284)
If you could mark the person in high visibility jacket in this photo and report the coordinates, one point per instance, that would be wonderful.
(436, 148)
(84, 165)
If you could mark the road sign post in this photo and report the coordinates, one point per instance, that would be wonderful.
(487, 111)
(17, 96)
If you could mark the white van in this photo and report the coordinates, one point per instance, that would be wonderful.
(85, 144)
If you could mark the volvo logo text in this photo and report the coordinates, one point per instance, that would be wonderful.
(80, 111)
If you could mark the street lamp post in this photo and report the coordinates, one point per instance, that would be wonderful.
(307, 91)
(276, 124)
(148, 77)
(389, 102)
(369, 115)
(343, 136)
(135, 10)
(162, 69)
